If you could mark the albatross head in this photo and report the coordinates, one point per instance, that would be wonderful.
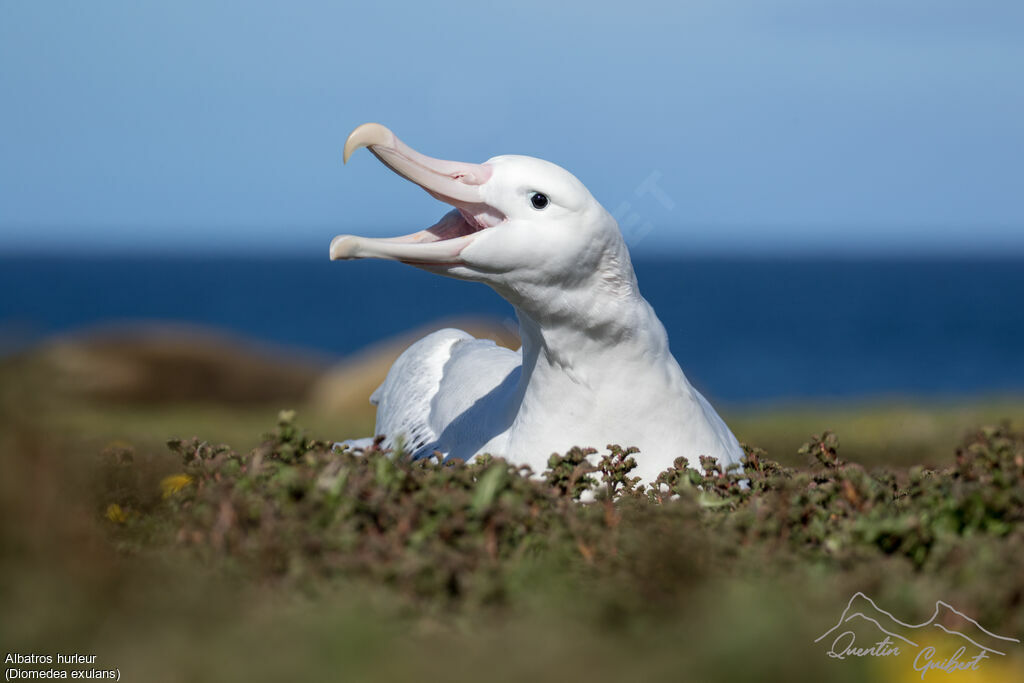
(516, 220)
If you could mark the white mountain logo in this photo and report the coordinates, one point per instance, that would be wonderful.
(930, 642)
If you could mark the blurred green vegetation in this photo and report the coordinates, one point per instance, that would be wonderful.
(890, 431)
(275, 558)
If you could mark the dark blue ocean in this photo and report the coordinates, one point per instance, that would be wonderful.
(743, 330)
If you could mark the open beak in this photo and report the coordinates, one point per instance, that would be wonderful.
(455, 183)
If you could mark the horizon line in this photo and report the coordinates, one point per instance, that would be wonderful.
(664, 253)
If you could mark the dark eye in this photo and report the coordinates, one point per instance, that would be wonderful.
(539, 200)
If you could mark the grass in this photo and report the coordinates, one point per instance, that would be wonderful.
(888, 432)
(275, 558)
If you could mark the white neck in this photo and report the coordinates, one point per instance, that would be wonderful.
(586, 347)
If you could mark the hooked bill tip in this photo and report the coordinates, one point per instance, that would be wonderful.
(366, 135)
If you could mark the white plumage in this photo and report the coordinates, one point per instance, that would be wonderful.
(595, 366)
(448, 392)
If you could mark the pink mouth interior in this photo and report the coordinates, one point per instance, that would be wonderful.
(462, 222)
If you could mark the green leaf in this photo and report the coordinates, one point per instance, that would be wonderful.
(490, 483)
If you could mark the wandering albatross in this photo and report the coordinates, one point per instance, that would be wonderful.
(594, 367)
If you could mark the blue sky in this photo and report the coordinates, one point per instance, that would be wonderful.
(845, 126)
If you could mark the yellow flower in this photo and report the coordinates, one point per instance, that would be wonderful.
(116, 514)
(174, 483)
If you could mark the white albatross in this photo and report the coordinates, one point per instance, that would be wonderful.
(594, 367)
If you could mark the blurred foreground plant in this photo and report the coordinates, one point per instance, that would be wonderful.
(296, 508)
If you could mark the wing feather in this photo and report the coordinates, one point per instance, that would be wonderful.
(447, 378)
(403, 400)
